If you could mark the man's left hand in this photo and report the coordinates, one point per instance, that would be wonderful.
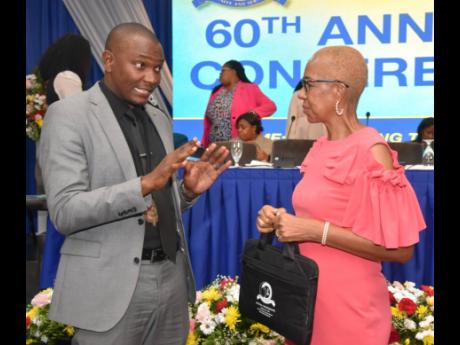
(200, 175)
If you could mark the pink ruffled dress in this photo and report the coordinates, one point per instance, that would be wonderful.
(343, 184)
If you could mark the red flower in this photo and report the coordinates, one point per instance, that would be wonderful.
(407, 305)
(392, 298)
(427, 289)
(27, 322)
(225, 282)
(221, 305)
(394, 335)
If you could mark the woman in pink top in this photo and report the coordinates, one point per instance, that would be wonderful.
(234, 96)
(354, 207)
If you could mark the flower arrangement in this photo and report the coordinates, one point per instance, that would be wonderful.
(215, 318)
(412, 313)
(35, 105)
(40, 329)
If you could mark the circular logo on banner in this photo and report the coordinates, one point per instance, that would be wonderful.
(234, 3)
(265, 293)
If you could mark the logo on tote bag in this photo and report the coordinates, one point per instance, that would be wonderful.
(265, 296)
(234, 3)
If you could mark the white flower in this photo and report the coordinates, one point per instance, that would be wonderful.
(233, 293)
(421, 335)
(398, 296)
(220, 318)
(207, 327)
(203, 313)
(409, 285)
(429, 318)
(418, 293)
(44, 339)
(409, 324)
(397, 285)
(426, 322)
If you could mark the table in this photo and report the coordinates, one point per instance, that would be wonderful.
(224, 217)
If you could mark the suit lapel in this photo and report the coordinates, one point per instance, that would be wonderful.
(101, 109)
(163, 126)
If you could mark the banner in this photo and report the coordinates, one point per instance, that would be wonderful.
(275, 39)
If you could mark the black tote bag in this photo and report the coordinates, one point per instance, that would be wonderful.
(278, 288)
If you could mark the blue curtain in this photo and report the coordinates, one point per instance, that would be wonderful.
(46, 21)
(160, 14)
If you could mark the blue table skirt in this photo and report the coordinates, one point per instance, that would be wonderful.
(224, 218)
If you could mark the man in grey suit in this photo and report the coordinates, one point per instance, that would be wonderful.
(109, 171)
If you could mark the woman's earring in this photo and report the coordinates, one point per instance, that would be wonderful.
(339, 112)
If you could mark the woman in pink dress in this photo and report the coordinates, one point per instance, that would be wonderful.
(354, 207)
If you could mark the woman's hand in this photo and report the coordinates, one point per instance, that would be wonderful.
(291, 228)
(266, 217)
(288, 228)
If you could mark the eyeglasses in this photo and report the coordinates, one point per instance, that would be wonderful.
(308, 83)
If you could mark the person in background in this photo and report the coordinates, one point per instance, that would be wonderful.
(354, 206)
(298, 126)
(234, 95)
(109, 170)
(425, 130)
(64, 68)
(250, 129)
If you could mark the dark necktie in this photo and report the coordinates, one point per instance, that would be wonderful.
(151, 156)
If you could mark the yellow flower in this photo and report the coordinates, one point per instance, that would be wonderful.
(29, 341)
(211, 295)
(232, 317)
(191, 339)
(428, 340)
(397, 313)
(47, 291)
(407, 341)
(259, 327)
(39, 123)
(430, 300)
(421, 311)
(69, 330)
(32, 314)
(29, 98)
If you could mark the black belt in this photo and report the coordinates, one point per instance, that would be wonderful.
(154, 255)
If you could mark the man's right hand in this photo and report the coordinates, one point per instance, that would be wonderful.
(159, 176)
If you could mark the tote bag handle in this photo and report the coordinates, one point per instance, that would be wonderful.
(290, 249)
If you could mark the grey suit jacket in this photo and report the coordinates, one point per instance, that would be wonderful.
(94, 198)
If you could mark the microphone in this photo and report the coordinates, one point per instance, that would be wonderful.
(290, 126)
(368, 114)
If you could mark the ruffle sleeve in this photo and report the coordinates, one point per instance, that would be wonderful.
(383, 207)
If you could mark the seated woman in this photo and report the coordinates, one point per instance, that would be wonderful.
(425, 130)
(250, 129)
